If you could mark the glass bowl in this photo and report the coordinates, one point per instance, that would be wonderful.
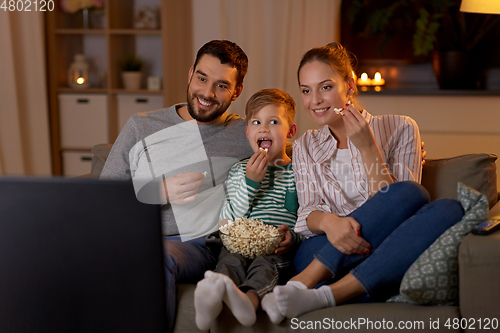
(250, 247)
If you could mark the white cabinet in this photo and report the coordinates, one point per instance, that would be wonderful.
(131, 104)
(84, 120)
(76, 163)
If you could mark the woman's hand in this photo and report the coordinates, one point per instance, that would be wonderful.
(257, 166)
(361, 135)
(344, 233)
(286, 241)
(358, 129)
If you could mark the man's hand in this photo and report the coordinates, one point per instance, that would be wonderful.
(286, 241)
(257, 166)
(183, 188)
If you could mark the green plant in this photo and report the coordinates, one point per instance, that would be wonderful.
(435, 24)
(130, 63)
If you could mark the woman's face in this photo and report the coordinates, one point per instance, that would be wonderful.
(322, 90)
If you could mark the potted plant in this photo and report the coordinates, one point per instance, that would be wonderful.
(131, 68)
(438, 28)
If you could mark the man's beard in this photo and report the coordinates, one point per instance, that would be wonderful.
(204, 118)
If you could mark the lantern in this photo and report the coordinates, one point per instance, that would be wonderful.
(78, 74)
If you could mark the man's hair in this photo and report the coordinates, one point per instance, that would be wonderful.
(271, 96)
(228, 53)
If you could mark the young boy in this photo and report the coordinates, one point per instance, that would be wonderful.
(261, 187)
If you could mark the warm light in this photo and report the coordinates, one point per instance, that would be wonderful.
(378, 80)
(480, 6)
(78, 73)
(364, 80)
(377, 88)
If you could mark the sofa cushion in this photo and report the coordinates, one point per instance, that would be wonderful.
(440, 176)
(433, 278)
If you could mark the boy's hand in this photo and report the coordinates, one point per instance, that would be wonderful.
(286, 241)
(257, 166)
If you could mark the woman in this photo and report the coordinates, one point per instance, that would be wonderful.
(366, 217)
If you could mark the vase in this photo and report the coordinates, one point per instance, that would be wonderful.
(453, 70)
(132, 80)
(85, 18)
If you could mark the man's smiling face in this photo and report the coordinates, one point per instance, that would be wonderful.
(211, 89)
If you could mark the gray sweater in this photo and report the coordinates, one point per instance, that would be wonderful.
(159, 144)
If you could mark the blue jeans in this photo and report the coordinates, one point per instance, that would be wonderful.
(400, 224)
(185, 262)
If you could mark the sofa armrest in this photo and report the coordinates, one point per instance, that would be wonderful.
(479, 269)
(495, 210)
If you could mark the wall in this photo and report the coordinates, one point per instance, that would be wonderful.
(449, 125)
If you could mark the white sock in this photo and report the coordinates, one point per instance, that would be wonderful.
(269, 305)
(238, 302)
(293, 300)
(208, 300)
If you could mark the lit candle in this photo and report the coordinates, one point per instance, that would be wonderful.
(80, 80)
(364, 80)
(378, 80)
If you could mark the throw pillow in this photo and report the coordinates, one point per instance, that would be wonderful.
(433, 278)
(440, 176)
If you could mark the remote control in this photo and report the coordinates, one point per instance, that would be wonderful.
(486, 227)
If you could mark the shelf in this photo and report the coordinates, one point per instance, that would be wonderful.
(83, 150)
(135, 32)
(82, 91)
(110, 31)
(137, 92)
(113, 37)
(80, 31)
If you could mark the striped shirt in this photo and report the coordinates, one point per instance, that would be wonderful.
(272, 201)
(314, 154)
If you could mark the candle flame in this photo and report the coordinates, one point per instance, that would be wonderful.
(364, 77)
(378, 76)
(80, 80)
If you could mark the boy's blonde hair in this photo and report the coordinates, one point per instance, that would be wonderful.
(266, 97)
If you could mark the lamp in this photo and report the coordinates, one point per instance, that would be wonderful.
(480, 6)
(78, 73)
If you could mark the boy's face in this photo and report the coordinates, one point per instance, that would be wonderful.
(269, 128)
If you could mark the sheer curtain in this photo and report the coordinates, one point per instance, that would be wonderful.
(275, 34)
(24, 124)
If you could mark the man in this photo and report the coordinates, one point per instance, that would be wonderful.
(180, 157)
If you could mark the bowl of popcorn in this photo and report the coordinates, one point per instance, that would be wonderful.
(249, 237)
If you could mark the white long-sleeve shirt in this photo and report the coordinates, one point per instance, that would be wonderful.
(317, 186)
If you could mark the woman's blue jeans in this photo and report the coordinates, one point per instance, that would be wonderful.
(400, 224)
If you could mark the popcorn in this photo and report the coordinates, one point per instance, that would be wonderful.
(339, 110)
(205, 174)
(263, 149)
(250, 237)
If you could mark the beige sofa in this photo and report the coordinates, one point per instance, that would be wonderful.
(479, 270)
